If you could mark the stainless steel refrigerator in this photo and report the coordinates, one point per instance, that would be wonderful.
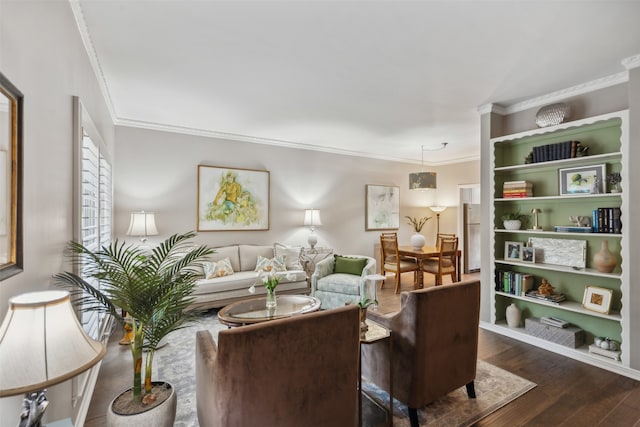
(472, 245)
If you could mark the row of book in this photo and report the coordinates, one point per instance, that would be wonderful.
(513, 283)
(517, 189)
(521, 284)
(607, 220)
(557, 151)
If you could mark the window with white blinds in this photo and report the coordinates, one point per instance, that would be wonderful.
(96, 213)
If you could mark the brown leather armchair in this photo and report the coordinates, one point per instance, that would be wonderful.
(301, 370)
(435, 345)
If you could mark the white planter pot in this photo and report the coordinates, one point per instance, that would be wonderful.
(162, 415)
(512, 224)
(418, 241)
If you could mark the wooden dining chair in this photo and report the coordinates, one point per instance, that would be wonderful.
(392, 262)
(441, 236)
(446, 262)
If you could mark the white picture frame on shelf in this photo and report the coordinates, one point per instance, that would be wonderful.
(529, 254)
(597, 299)
(513, 251)
(582, 180)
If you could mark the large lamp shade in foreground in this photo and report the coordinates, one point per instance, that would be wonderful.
(42, 343)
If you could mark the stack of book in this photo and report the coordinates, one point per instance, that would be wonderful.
(572, 229)
(554, 321)
(517, 189)
(554, 298)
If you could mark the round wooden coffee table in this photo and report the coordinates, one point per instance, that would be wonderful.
(254, 310)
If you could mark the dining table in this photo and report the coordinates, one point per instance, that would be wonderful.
(424, 253)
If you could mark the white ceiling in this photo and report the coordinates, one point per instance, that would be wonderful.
(376, 78)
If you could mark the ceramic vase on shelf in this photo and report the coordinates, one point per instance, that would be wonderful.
(604, 261)
(513, 315)
(418, 241)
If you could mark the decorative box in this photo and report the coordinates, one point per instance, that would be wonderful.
(570, 336)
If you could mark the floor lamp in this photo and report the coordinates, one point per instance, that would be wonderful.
(438, 210)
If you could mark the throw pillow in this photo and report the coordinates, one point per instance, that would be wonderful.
(218, 268)
(274, 264)
(291, 255)
(349, 265)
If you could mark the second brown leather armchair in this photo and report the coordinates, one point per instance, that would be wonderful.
(435, 345)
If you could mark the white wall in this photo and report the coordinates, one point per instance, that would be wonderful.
(41, 53)
(156, 171)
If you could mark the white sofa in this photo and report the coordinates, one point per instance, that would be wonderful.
(220, 291)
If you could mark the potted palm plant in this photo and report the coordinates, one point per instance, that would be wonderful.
(154, 289)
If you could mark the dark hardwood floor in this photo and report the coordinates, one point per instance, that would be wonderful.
(568, 393)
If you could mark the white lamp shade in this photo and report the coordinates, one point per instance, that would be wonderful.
(312, 217)
(142, 224)
(438, 209)
(42, 343)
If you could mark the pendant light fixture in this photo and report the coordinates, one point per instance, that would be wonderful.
(425, 180)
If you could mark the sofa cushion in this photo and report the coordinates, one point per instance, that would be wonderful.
(217, 268)
(270, 264)
(230, 252)
(340, 283)
(239, 280)
(249, 255)
(349, 265)
(291, 255)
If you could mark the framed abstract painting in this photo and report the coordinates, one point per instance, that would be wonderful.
(231, 199)
(382, 209)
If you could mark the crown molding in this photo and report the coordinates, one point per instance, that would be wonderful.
(248, 138)
(576, 90)
(278, 143)
(78, 14)
(631, 62)
(491, 108)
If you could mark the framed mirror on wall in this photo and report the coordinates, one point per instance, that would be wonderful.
(11, 100)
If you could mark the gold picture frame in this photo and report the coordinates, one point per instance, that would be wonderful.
(11, 120)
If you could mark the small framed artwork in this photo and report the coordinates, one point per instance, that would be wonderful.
(529, 254)
(382, 207)
(597, 299)
(582, 180)
(232, 199)
(513, 251)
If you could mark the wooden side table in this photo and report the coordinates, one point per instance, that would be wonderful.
(375, 333)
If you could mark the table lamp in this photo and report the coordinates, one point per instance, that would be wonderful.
(312, 219)
(142, 224)
(42, 344)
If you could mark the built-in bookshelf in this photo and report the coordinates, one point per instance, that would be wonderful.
(557, 199)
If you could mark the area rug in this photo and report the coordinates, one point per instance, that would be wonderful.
(495, 387)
